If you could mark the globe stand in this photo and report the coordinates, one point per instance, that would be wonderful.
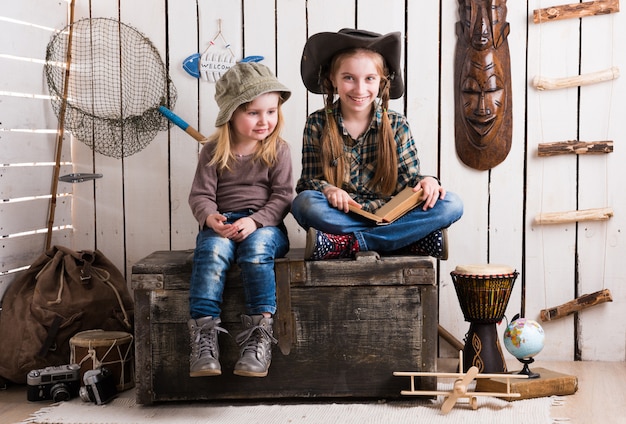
(526, 370)
(524, 339)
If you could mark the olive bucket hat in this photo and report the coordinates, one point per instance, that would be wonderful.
(241, 84)
(320, 48)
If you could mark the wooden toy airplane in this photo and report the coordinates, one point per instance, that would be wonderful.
(460, 387)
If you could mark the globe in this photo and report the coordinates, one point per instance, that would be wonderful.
(524, 338)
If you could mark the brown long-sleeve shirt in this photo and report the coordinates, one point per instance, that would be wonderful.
(268, 191)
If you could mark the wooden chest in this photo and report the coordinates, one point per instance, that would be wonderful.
(343, 326)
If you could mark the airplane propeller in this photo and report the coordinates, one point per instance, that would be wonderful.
(459, 389)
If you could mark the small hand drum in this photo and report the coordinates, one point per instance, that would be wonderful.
(114, 350)
(483, 292)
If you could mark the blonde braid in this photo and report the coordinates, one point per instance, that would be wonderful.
(386, 175)
(333, 162)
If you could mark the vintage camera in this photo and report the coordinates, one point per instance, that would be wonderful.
(99, 386)
(56, 383)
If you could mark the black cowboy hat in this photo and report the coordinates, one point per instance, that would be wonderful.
(321, 47)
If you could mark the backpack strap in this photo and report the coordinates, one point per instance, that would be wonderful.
(50, 337)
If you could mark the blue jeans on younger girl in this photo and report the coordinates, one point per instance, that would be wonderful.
(214, 255)
(311, 209)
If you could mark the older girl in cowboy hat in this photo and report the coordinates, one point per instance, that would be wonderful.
(357, 151)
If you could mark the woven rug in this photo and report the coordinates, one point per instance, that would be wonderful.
(124, 410)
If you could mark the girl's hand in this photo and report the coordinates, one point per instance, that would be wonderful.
(338, 198)
(217, 222)
(245, 226)
(432, 192)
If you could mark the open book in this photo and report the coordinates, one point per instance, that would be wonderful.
(397, 206)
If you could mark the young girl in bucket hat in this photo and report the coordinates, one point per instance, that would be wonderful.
(357, 151)
(241, 192)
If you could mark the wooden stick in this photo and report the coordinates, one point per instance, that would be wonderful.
(575, 10)
(582, 302)
(600, 214)
(575, 147)
(60, 132)
(543, 83)
(453, 341)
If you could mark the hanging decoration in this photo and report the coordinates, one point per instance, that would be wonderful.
(575, 10)
(544, 83)
(594, 214)
(574, 147)
(215, 60)
(582, 302)
(482, 91)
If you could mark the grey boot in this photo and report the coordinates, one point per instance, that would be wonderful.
(256, 346)
(205, 351)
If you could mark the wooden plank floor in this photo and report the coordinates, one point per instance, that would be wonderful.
(601, 396)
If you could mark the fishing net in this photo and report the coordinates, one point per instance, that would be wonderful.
(116, 83)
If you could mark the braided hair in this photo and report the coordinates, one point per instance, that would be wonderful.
(336, 170)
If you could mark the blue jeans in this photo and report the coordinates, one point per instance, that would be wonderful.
(311, 209)
(214, 255)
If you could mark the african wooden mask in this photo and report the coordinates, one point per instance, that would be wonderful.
(482, 78)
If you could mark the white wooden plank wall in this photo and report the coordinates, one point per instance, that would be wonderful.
(28, 137)
(140, 205)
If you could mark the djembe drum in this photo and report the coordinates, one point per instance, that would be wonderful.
(483, 292)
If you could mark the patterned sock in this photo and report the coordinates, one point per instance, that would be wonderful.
(320, 246)
(434, 244)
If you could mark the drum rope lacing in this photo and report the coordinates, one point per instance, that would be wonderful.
(97, 363)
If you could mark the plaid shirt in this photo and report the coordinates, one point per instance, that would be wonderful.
(361, 155)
